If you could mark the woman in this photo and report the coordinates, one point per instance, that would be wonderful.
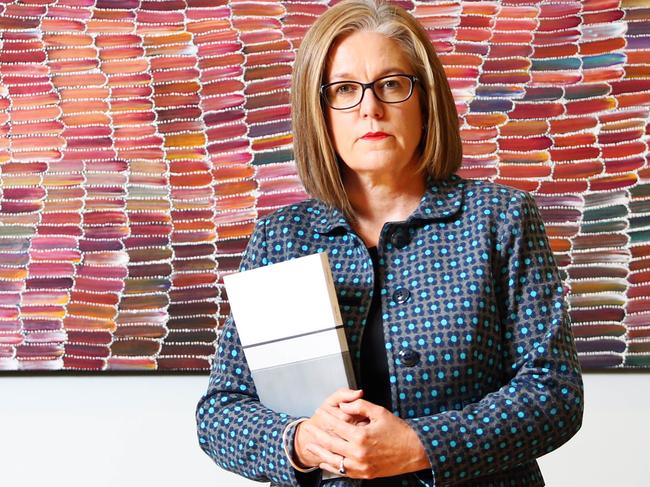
(452, 303)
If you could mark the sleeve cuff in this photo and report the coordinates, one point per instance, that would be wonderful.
(414, 423)
(310, 477)
(288, 437)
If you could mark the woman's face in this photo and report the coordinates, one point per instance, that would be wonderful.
(364, 57)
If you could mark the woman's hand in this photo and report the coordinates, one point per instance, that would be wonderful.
(381, 446)
(316, 430)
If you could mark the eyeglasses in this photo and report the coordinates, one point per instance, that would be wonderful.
(394, 88)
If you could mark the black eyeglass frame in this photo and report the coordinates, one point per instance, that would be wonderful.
(412, 78)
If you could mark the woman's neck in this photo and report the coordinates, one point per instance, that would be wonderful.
(375, 197)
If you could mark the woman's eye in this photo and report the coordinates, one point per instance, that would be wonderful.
(345, 89)
(390, 84)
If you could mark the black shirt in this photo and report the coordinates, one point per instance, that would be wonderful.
(374, 363)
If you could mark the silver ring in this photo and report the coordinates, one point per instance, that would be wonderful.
(341, 466)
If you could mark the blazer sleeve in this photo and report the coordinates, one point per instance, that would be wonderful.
(238, 432)
(540, 405)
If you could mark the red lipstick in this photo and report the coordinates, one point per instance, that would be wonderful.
(375, 135)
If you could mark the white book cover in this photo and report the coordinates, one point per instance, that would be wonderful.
(290, 328)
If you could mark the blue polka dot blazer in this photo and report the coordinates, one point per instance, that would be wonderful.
(481, 357)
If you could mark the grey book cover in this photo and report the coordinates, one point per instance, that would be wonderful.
(290, 327)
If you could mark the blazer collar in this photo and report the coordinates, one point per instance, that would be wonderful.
(442, 200)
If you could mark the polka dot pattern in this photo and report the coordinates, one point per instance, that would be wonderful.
(481, 357)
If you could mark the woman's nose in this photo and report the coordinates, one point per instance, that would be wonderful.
(370, 105)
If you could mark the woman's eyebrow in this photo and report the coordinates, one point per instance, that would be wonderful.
(379, 75)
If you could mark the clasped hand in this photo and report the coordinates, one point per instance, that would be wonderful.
(373, 441)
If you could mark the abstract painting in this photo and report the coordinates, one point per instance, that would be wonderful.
(141, 139)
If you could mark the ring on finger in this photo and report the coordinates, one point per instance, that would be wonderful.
(342, 466)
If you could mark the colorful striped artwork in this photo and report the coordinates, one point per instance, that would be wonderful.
(141, 139)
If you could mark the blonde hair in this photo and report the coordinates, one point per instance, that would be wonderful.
(317, 161)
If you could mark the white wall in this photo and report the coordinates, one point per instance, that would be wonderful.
(124, 431)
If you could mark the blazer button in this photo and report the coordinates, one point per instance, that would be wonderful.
(402, 295)
(401, 237)
(409, 357)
